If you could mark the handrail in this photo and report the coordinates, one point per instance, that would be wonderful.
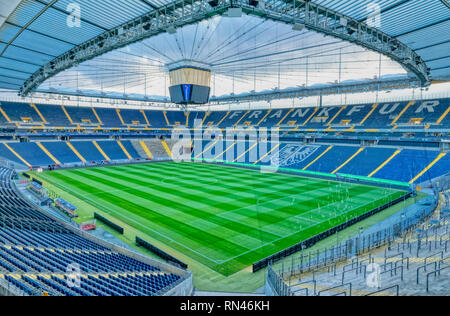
(336, 287)
(397, 290)
(434, 272)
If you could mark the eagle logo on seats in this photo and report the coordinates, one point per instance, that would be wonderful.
(292, 154)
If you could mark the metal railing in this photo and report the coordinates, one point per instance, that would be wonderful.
(353, 249)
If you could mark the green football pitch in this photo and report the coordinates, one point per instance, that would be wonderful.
(223, 217)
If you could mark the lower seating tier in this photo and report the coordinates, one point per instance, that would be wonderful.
(38, 255)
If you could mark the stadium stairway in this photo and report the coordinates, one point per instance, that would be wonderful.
(21, 112)
(140, 147)
(168, 146)
(157, 149)
(88, 150)
(62, 152)
(417, 264)
(176, 118)
(112, 150)
(367, 161)
(8, 154)
(83, 116)
(156, 119)
(407, 165)
(333, 159)
(110, 118)
(54, 115)
(128, 150)
(133, 118)
(425, 112)
(31, 153)
(435, 170)
(215, 118)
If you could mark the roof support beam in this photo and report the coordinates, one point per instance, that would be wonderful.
(20, 61)
(391, 7)
(7, 8)
(440, 68)
(438, 58)
(432, 45)
(10, 77)
(28, 49)
(423, 27)
(21, 71)
(183, 12)
(299, 92)
(9, 83)
(68, 13)
(307, 92)
(149, 4)
(446, 3)
(27, 25)
(42, 34)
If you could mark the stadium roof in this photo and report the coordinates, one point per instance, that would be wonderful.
(36, 31)
(422, 25)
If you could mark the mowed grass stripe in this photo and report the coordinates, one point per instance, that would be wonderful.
(258, 224)
(249, 183)
(202, 222)
(207, 169)
(278, 190)
(222, 185)
(221, 231)
(262, 219)
(167, 211)
(191, 187)
(175, 202)
(332, 198)
(190, 183)
(172, 224)
(267, 249)
(289, 212)
(279, 219)
(102, 169)
(230, 198)
(331, 222)
(163, 234)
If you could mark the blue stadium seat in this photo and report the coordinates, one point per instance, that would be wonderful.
(35, 252)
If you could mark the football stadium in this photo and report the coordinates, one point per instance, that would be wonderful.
(224, 148)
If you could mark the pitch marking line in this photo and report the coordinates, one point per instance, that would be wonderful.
(221, 215)
(218, 226)
(261, 190)
(271, 201)
(202, 255)
(97, 205)
(268, 243)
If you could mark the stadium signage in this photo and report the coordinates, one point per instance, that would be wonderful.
(213, 143)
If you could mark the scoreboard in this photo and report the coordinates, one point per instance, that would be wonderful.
(189, 85)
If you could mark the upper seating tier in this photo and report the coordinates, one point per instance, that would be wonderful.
(426, 114)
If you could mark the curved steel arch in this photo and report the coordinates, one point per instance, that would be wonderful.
(183, 12)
